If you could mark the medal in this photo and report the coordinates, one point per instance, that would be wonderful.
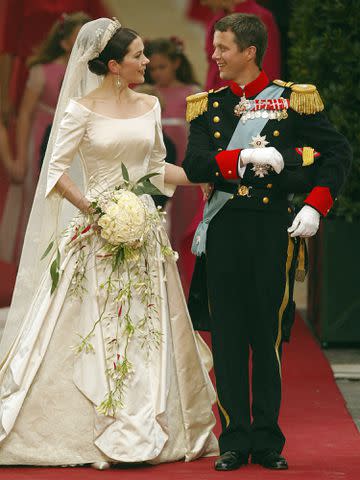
(260, 142)
(272, 108)
(241, 107)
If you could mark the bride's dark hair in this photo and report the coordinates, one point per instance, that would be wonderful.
(116, 49)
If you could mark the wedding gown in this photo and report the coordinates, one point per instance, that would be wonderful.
(48, 393)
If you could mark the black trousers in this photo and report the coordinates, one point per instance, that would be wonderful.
(248, 257)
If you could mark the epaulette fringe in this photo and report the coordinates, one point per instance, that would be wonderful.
(304, 98)
(196, 105)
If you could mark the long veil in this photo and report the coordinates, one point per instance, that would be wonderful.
(51, 214)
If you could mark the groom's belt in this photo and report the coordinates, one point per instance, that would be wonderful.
(252, 197)
(249, 191)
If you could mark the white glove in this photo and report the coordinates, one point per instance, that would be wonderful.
(306, 223)
(262, 156)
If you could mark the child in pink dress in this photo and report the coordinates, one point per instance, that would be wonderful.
(47, 69)
(172, 74)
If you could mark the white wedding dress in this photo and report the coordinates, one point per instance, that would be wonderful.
(48, 393)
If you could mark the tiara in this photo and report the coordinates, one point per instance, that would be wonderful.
(102, 36)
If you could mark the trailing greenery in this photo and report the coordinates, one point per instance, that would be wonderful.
(325, 50)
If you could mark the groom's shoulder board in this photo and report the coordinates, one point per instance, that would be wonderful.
(304, 98)
(197, 104)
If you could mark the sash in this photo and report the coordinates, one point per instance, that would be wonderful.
(241, 138)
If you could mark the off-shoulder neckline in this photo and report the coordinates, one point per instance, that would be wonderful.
(116, 118)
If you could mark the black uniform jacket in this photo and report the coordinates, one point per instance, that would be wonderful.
(210, 133)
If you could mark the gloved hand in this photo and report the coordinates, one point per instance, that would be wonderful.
(262, 156)
(306, 223)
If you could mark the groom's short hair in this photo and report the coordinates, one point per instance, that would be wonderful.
(248, 30)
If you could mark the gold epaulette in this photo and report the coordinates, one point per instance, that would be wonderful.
(196, 105)
(304, 98)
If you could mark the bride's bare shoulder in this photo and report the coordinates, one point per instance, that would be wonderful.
(88, 101)
(148, 100)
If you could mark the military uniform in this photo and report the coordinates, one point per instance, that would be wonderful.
(242, 287)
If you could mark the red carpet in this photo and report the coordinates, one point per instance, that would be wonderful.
(322, 440)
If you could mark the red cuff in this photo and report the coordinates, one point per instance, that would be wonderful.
(228, 163)
(320, 198)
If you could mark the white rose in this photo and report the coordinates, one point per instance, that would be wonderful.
(125, 219)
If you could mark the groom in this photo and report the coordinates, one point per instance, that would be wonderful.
(257, 142)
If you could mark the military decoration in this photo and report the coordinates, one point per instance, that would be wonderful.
(260, 142)
(272, 108)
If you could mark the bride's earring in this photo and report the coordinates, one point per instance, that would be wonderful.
(118, 81)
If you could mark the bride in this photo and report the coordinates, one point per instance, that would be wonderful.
(99, 363)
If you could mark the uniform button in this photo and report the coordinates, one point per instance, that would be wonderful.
(215, 104)
(216, 119)
(276, 133)
(269, 185)
(217, 134)
(289, 210)
(229, 172)
(219, 149)
(266, 200)
(217, 174)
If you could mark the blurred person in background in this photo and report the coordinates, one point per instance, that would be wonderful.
(47, 69)
(210, 11)
(23, 25)
(6, 159)
(172, 75)
(160, 200)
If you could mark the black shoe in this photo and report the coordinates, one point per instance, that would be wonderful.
(230, 460)
(272, 460)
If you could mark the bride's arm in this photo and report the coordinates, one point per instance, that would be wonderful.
(69, 137)
(175, 175)
(69, 190)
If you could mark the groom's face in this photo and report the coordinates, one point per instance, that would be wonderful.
(230, 60)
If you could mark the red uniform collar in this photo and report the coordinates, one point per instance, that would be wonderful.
(251, 89)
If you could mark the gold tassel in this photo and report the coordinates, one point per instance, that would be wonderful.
(196, 105)
(305, 99)
(307, 156)
(300, 273)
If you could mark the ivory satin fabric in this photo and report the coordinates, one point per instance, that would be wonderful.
(48, 394)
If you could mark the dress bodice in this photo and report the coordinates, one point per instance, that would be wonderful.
(103, 143)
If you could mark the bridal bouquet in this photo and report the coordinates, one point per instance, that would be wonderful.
(124, 220)
(122, 235)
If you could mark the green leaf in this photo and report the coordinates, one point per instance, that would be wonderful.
(147, 188)
(125, 173)
(146, 177)
(55, 272)
(96, 208)
(119, 257)
(47, 251)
